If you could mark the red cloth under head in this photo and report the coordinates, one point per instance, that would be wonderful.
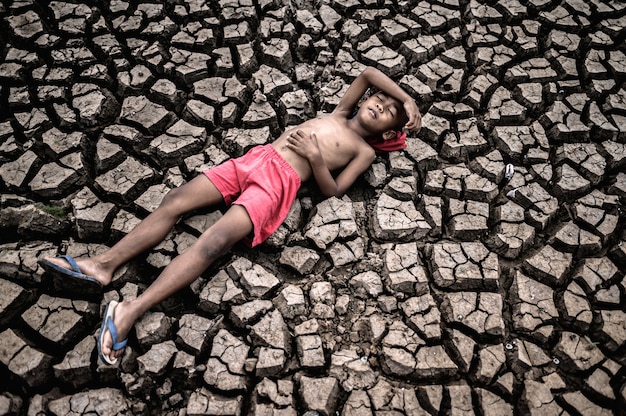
(381, 146)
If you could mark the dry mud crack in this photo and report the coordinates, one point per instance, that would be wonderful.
(479, 271)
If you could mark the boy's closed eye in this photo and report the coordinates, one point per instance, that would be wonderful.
(380, 97)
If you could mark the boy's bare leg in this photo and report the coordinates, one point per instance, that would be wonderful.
(181, 272)
(197, 193)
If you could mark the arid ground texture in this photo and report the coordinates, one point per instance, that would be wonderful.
(479, 271)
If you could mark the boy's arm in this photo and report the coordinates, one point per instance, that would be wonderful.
(354, 169)
(330, 186)
(306, 146)
(372, 77)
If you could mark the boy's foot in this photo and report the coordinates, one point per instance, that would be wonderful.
(73, 275)
(113, 333)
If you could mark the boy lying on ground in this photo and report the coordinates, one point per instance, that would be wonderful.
(259, 189)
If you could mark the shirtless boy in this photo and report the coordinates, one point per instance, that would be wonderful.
(315, 149)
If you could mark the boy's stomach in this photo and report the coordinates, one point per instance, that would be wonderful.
(297, 162)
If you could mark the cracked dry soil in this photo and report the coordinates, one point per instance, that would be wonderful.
(479, 271)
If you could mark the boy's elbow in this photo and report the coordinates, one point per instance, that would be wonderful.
(368, 71)
(334, 192)
(330, 191)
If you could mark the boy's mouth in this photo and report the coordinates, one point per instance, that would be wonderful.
(372, 112)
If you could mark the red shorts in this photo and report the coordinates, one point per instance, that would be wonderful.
(263, 183)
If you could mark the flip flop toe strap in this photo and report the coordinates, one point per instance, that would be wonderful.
(113, 330)
(72, 262)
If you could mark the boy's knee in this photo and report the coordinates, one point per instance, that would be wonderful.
(214, 245)
(170, 196)
(171, 199)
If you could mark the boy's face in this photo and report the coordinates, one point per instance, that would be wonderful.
(381, 113)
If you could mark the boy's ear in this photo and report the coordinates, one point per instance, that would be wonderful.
(389, 134)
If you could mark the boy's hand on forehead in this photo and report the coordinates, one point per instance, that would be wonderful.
(414, 116)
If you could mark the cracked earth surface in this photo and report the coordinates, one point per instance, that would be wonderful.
(478, 271)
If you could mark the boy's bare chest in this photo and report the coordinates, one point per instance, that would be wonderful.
(337, 147)
(333, 138)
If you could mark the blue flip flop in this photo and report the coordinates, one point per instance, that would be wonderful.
(70, 280)
(108, 325)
